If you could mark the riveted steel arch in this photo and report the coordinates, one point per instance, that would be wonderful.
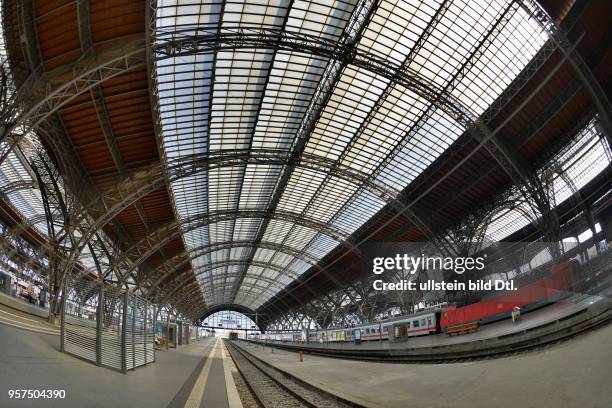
(237, 262)
(234, 262)
(141, 183)
(138, 253)
(181, 43)
(185, 292)
(194, 289)
(176, 44)
(220, 264)
(172, 265)
(17, 185)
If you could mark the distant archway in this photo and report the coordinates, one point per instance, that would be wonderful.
(225, 318)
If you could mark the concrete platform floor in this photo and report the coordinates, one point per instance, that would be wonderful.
(574, 374)
(31, 360)
(18, 319)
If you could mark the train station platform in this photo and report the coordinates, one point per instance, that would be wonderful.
(19, 319)
(562, 310)
(575, 373)
(196, 375)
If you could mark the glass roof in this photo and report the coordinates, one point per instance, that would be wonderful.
(575, 166)
(255, 98)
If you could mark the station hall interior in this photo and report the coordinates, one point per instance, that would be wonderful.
(201, 202)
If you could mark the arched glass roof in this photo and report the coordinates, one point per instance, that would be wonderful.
(587, 156)
(276, 77)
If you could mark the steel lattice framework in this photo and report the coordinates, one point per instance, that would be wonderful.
(283, 130)
(339, 58)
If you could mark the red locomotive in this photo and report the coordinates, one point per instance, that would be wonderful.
(532, 296)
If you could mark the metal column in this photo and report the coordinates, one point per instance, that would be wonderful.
(99, 324)
(62, 319)
(124, 333)
(145, 332)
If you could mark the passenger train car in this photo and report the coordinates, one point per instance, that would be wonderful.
(448, 319)
(418, 324)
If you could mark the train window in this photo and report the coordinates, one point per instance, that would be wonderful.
(415, 323)
(367, 331)
(429, 321)
(386, 329)
(423, 322)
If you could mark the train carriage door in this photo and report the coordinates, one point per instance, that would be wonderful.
(357, 336)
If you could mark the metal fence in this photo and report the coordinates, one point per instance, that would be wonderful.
(183, 334)
(107, 326)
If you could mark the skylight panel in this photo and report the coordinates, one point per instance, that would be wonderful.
(201, 260)
(362, 206)
(320, 18)
(189, 195)
(245, 229)
(509, 52)
(321, 245)
(298, 267)
(203, 14)
(263, 255)
(240, 78)
(246, 15)
(352, 99)
(219, 256)
(276, 231)
(293, 79)
(224, 184)
(221, 231)
(460, 29)
(416, 153)
(395, 28)
(302, 186)
(239, 253)
(258, 185)
(298, 237)
(386, 128)
(27, 201)
(196, 237)
(506, 223)
(588, 160)
(330, 198)
(282, 259)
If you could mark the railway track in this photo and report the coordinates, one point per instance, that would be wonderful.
(275, 389)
